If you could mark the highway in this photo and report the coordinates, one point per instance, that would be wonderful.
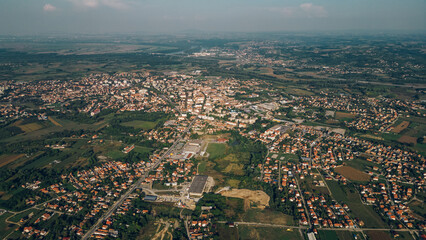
(114, 207)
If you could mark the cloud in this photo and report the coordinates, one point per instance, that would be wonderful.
(49, 8)
(313, 10)
(303, 10)
(88, 4)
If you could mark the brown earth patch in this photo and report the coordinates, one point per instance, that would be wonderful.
(54, 122)
(352, 173)
(340, 115)
(6, 159)
(401, 127)
(378, 235)
(260, 198)
(407, 139)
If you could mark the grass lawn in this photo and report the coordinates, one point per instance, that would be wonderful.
(141, 149)
(202, 167)
(267, 233)
(233, 182)
(116, 154)
(216, 150)
(351, 197)
(145, 125)
(267, 216)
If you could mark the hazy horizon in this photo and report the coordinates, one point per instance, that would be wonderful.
(167, 16)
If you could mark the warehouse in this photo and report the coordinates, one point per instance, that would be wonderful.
(197, 186)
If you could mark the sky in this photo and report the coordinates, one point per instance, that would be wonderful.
(174, 16)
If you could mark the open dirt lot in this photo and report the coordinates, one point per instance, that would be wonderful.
(340, 115)
(378, 235)
(260, 198)
(401, 127)
(352, 173)
(407, 139)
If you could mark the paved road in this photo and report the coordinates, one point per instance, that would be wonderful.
(305, 227)
(114, 207)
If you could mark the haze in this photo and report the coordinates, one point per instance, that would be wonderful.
(165, 16)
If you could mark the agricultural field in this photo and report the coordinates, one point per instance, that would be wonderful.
(6, 228)
(361, 164)
(371, 136)
(52, 120)
(352, 173)
(407, 139)
(344, 115)
(138, 124)
(267, 233)
(299, 92)
(419, 208)
(350, 196)
(267, 216)
(337, 235)
(5, 159)
(378, 235)
(30, 127)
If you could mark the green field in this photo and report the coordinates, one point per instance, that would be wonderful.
(24, 214)
(6, 159)
(6, 228)
(361, 164)
(267, 216)
(267, 233)
(216, 150)
(116, 154)
(337, 235)
(145, 125)
(30, 127)
(141, 149)
(51, 128)
(226, 232)
(351, 197)
(418, 207)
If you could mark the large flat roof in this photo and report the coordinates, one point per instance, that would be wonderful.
(198, 183)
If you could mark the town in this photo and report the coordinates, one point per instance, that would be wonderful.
(187, 154)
